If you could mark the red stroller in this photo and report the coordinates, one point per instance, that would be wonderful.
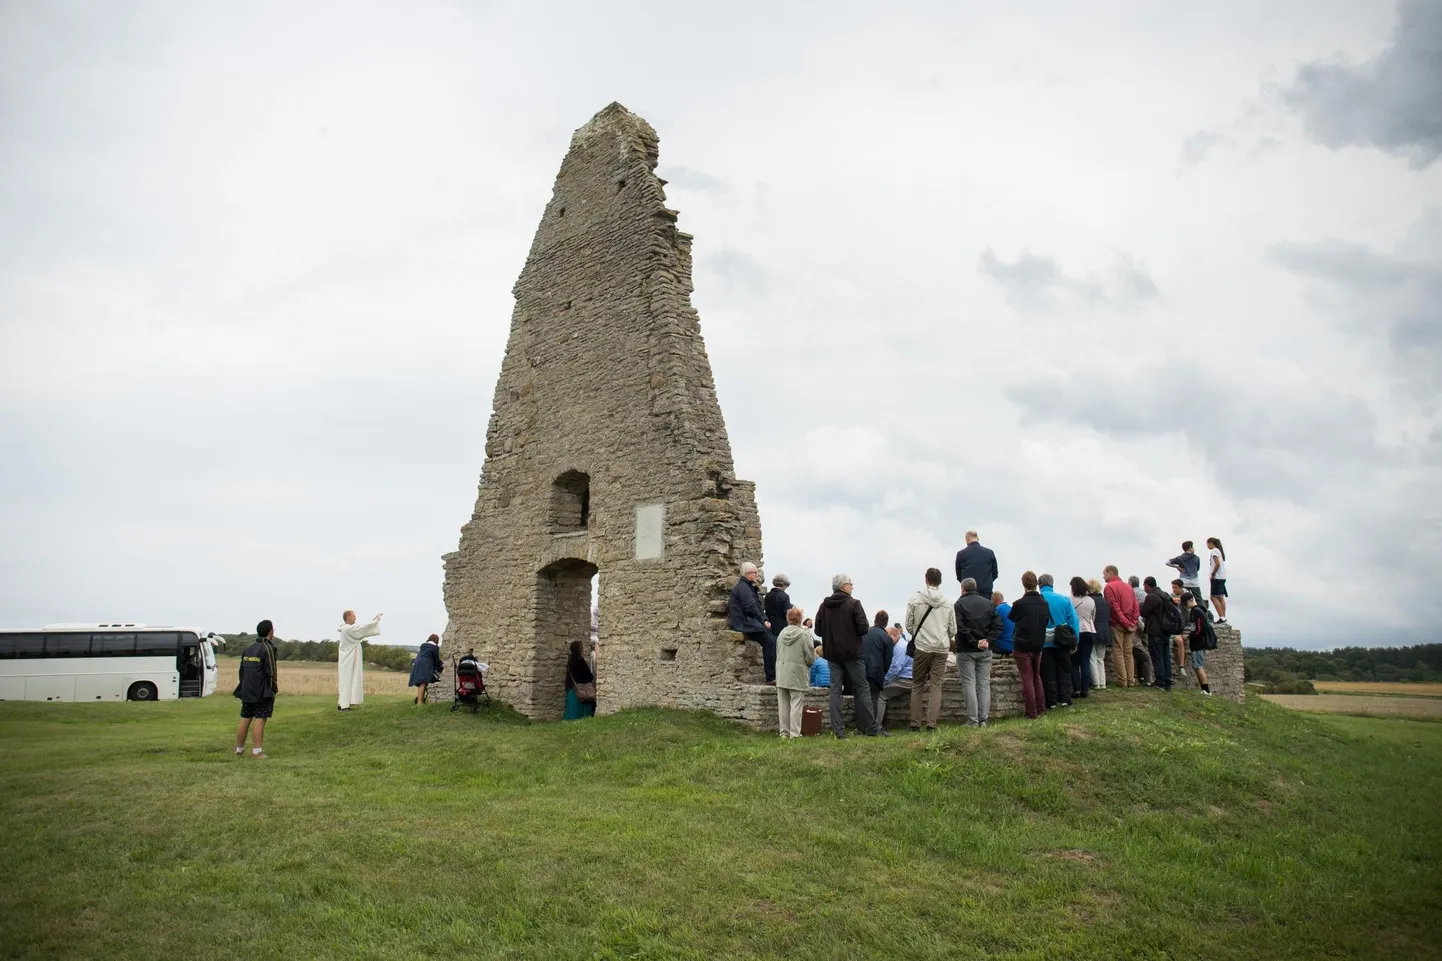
(470, 684)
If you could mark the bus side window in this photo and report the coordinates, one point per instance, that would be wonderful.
(67, 645)
(156, 645)
(112, 645)
(21, 645)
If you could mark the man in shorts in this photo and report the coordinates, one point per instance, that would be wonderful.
(1201, 639)
(258, 686)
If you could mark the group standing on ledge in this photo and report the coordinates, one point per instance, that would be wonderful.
(1058, 643)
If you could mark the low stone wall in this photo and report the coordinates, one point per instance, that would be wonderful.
(748, 699)
(760, 710)
(1224, 667)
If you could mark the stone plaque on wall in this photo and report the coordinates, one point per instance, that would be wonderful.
(650, 525)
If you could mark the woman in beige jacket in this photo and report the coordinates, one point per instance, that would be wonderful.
(794, 657)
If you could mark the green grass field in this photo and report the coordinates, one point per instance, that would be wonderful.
(1134, 826)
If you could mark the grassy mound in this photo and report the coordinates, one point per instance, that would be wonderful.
(1133, 826)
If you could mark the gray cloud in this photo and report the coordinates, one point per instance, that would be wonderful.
(1196, 147)
(1033, 281)
(733, 278)
(689, 179)
(1392, 102)
(1397, 298)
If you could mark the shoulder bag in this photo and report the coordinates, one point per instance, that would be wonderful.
(585, 692)
(911, 644)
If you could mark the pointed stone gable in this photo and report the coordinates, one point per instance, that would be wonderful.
(606, 453)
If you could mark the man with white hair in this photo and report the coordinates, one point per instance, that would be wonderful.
(841, 623)
(744, 614)
(351, 670)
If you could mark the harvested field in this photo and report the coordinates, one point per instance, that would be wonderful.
(1391, 705)
(1410, 688)
(315, 677)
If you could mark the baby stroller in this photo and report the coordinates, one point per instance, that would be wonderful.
(470, 684)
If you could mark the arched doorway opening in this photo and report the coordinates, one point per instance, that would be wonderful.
(563, 614)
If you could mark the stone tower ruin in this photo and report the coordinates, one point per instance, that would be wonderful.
(606, 454)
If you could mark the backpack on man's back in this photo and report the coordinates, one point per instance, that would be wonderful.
(1172, 621)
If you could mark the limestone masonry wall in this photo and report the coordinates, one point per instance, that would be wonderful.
(606, 453)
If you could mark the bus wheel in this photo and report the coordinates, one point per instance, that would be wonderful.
(143, 691)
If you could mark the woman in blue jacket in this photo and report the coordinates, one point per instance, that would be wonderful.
(426, 668)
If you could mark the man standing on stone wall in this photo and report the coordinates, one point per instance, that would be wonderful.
(841, 623)
(349, 662)
(1190, 566)
(746, 617)
(977, 563)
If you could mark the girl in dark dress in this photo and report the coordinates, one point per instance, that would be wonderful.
(578, 672)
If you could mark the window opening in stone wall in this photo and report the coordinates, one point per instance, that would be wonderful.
(668, 653)
(571, 502)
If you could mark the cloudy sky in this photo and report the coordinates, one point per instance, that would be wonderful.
(1091, 278)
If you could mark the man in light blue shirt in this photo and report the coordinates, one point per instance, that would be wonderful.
(1056, 661)
(898, 677)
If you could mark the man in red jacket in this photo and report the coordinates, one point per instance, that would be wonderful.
(1125, 615)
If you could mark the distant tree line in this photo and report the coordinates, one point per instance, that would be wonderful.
(1285, 670)
(384, 656)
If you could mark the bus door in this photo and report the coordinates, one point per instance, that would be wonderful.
(190, 662)
(207, 651)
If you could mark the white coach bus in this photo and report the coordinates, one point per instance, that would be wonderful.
(106, 662)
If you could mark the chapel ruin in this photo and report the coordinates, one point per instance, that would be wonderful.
(607, 454)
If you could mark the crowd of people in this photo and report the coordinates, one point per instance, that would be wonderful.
(1060, 642)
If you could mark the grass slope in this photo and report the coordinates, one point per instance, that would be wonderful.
(1134, 826)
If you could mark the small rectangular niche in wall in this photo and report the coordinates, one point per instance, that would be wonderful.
(650, 526)
(668, 653)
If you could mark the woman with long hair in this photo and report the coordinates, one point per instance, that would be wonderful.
(580, 685)
(1081, 662)
(1217, 564)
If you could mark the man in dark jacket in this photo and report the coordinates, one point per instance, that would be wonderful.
(977, 563)
(1031, 614)
(1155, 616)
(778, 604)
(841, 623)
(978, 627)
(876, 649)
(259, 683)
(744, 614)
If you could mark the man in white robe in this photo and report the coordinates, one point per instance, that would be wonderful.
(352, 671)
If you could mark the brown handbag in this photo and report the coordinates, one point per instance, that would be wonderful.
(585, 693)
